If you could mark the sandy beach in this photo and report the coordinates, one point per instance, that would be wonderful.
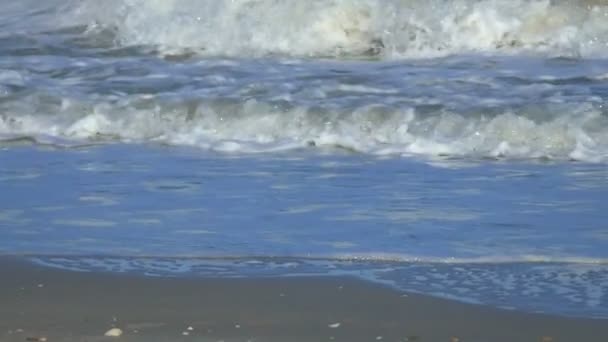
(43, 304)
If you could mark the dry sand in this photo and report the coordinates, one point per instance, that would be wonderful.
(38, 303)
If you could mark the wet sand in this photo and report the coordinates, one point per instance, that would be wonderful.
(38, 304)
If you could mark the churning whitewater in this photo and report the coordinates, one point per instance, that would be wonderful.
(493, 78)
(327, 28)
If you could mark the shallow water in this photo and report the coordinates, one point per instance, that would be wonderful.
(453, 148)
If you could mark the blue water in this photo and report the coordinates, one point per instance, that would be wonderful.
(275, 138)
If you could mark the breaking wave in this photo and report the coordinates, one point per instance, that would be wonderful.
(253, 126)
(386, 29)
(51, 92)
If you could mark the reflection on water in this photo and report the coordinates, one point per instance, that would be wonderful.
(397, 206)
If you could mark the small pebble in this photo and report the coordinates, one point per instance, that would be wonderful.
(36, 339)
(114, 332)
(190, 328)
(185, 333)
(334, 325)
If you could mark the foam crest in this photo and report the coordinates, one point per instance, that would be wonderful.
(385, 28)
(252, 126)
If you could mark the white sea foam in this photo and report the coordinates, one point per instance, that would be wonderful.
(250, 127)
(389, 28)
(396, 259)
(482, 260)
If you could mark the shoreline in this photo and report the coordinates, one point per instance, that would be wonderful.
(59, 305)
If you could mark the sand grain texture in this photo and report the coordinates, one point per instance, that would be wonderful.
(83, 306)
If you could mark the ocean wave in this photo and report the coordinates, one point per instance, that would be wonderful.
(568, 133)
(386, 29)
